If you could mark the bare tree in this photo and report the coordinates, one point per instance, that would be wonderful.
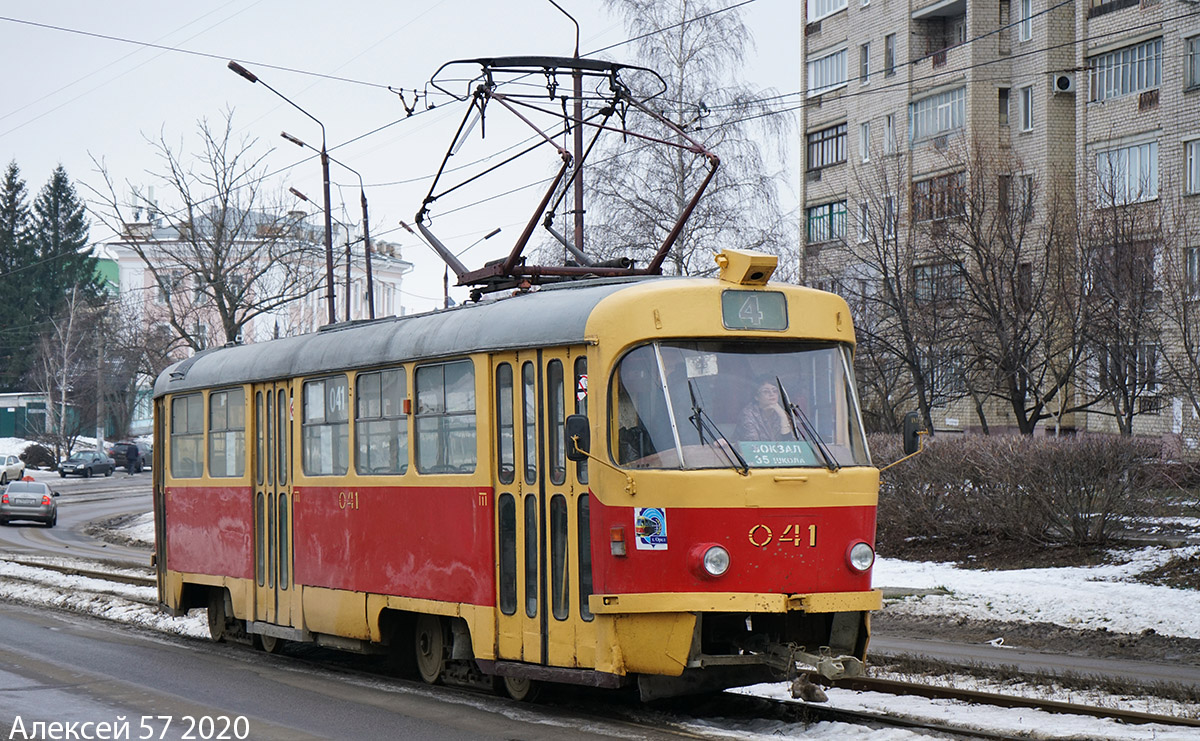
(64, 368)
(1021, 276)
(902, 303)
(1180, 305)
(229, 251)
(637, 190)
(1121, 233)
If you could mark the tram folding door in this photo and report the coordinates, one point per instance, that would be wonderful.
(272, 504)
(539, 501)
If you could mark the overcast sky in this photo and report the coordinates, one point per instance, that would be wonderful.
(71, 94)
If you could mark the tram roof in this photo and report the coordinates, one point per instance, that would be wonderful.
(554, 315)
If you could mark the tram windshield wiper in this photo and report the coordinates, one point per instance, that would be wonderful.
(802, 428)
(711, 435)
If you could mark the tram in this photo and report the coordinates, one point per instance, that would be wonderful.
(640, 481)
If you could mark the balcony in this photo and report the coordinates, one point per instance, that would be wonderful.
(939, 28)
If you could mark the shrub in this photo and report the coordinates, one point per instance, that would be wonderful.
(1039, 491)
(38, 456)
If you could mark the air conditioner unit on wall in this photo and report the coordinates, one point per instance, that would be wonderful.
(1064, 82)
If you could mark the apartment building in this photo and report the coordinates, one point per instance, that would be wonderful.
(920, 113)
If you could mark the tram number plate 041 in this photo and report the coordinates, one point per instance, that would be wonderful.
(794, 534)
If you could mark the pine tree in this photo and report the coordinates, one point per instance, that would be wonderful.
(42, 258)
(60, 236)
(18, 328)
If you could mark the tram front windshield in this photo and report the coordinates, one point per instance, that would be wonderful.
(736, 404)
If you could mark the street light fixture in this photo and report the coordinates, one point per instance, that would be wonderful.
(250, 76)
(362, 191)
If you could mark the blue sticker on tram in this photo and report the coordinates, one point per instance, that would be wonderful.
(650, 528)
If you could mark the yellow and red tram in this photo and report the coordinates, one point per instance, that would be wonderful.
(662, 481)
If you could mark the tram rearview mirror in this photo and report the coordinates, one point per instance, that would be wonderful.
(578, 434)
(912, 430)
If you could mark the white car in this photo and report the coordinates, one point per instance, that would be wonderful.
(13, 470)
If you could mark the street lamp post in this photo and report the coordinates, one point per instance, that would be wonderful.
(248, 75)
(362, 191)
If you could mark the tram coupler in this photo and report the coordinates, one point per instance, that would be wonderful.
(797, 660)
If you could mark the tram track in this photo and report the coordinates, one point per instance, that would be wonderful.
(117, 579)
(675, 714)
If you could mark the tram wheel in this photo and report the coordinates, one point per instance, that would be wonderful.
(270, 644)
(217, 618)
(430, 648)
(521, 689)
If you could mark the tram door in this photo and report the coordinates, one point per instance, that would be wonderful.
(543, 565)
(272, 503)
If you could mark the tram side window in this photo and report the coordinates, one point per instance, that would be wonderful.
(556, 447)
(581, 388)
(445, 418)
(380, 424)
(227, 433)
(505, 441)
(187, 437)
(326, 428)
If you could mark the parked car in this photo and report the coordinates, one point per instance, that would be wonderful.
(29, 500)
(87, 463)
(13, 470)
(120, 455)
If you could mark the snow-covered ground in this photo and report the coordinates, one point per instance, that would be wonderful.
(1088, 597)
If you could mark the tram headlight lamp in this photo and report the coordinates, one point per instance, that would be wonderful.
(709, 560)
(860, 556)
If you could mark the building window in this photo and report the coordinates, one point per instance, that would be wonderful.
(1002, 101)
(1126, 71)
(380, 424)
(864, 140)
(1025, 25)
(827, 222)
(936, 114)
(1016, 195)
(889, 55)
(864, 63)
(818, 9)
(889, 134)
(945, 371)
(1191, 160)
(889, 217)
(1027, 108)
(1192, 73)
(827, 147)
(200, 335)
(1130, 367)
(826, 72)
(227, 433)
(325, 433)
(1192, 271)
(1127, 174)
(937, 282)
(864, 221)
(169, 283)
(938, 198)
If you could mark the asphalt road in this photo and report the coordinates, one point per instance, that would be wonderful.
(81, 502)
(57, 667)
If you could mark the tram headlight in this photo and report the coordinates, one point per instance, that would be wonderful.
(709, 560)
(860, 556)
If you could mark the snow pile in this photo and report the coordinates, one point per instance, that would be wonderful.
(1087, 597)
